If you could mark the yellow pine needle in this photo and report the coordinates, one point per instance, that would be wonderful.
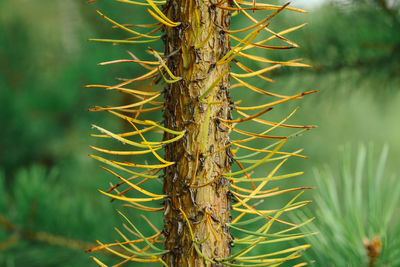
(144, 65)
(125, 90)
(290, 63)
(121, 139)
(259, 195)
(163, 128)
(128, 133)
(273, 7)
(160, 19)
(267, 217)
(164, 142)
(280, 37)
(289, 206)
(249, 208)
(127, 29)
(245, 41)
(242, 168)
(140, 3)
(253, 88)
(128, 61)
(159, 12)
(99, 262)
(243, 67)
(275, 102)
(188, 223)
(138, 188)
(284, 251)
(263, 240)
(139, 111)
(243, 214)
(265, 212)
(277, 261)
(113, 187)
(157, 55)
(295, 226)
(156, 166)
(262, 184)
(124, 261)
(124, 153)
(151, 148)
(166, 79)
(140, 234)
(278, 10)
(144, 143)
(273, 178)
(268, 151)
(121, 108)
(127, 118)
(272, 159)
(264, 229)
(129, 257)
(142, 98)
(127, 240)
(274, 123)
(123, 41)
(253, 134)
(279, 34)
(254, 137)
(108, 162)
(140, 25)
(258, 163)
(148, 90)
(130, 105)
(129, 199)
(137, 249)
(249, 27)
(265, 20)
(257, 8)
(255, 73)
(259, 45)
(151, 74)
(246, 119)
(142, 207)
(147, 33)
(250, 191)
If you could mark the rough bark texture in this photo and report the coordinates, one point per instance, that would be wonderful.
(208, 207)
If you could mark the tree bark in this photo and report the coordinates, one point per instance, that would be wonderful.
(195, 183)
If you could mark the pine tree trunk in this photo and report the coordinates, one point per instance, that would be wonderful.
(195, 183)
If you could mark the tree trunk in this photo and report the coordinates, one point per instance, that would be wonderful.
(195, 183)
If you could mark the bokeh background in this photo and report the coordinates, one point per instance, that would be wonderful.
(50, 209)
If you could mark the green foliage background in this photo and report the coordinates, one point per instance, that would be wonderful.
(47, 182)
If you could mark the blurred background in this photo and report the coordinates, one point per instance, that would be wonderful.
(50, 209)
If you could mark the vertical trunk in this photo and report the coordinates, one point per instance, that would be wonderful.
(195, 183)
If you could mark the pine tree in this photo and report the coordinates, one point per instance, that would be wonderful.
(198, 182)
